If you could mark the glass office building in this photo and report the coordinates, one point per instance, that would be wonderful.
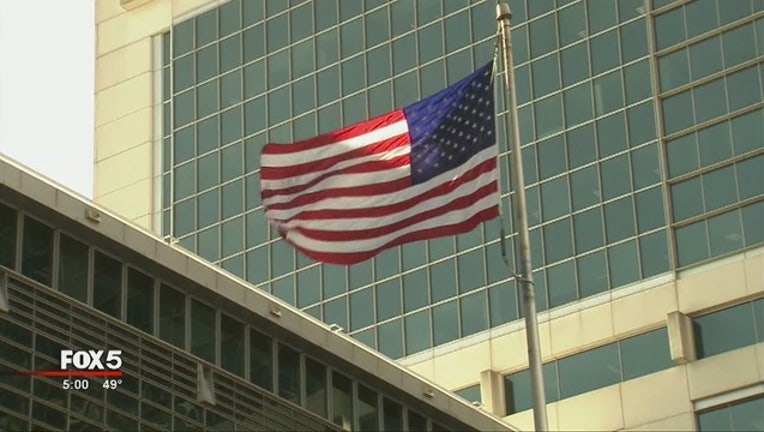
(642, 128)
(642, 134)
(193, 358)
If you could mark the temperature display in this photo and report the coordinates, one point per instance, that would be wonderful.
(111, 384)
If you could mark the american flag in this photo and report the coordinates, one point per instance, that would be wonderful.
(417, 173)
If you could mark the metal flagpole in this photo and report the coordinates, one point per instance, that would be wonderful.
(503, 15)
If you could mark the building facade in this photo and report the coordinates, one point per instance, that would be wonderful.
(641, 124)
(200, 350)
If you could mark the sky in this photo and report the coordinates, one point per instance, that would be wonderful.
(47, 64)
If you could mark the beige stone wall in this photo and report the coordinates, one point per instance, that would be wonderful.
(660, 401)
(124, 102)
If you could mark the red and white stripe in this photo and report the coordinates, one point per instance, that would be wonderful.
(345, 196)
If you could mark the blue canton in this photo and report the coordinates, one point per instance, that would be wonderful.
(451, 126)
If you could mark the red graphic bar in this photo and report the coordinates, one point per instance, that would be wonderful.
(81, 374)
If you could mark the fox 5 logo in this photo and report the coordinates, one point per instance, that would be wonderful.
(91, 359)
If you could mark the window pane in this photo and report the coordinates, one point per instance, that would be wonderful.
(543, 36)
(561, 284)
(669, 28)
(719, 188)
(289, 374)
(415, 293)
(342, 400)
(748, 132)
(37, 252)
(261, 360)
(573, 69)
(578, 104)
(714, 144)
(588, 230)
(604, 49)
(361, 309)
(653, 254)
(72, 268)
(692, 243)
(739, 45)
(172, 316)
(7, 237)
(335, 312)
(203, 331)
(368, 414)
(549, 116)
(585, 190)
(589, 370)
(687, 199)
(754, 231)
(724, 331)
(558, 241)
(582, 147)
(709, 101)
(592, 274)
(232, 345)
(474, 313)
(445, 320)
(315, 387)
(623, 263)
(554, 198)
(417, 332)
(608, 93)
(649, 205)
(546, 76)
(140, 301)
(572, 23)
(611, 134)
(107, 284)
(637, 82)
(645, 354)
(390, 336)
(706, 57)
(616, 178)
(633, 40)
(392, 415)
(725, 233)
(674, 70)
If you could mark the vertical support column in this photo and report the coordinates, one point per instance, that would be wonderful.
(492, 392)
(681, 337)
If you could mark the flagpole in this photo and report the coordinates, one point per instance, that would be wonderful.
(503, 15)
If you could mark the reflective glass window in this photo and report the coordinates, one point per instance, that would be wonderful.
(335, 312)
(714, 144)
(37, 251)
(474, 313)
(581, 144)
(172, 316)
(342, 400)
(558, 240)
(203, 330)
(368, 412)
(107, 284)
(742, 88)
(616, 178)
(72, 268)
(750, 177)
(708, 100)
(674, 70)
(676, 115)
(417, 332)
(747, 132)
(578, 104)
(561, 284)
(669, 28)
(725, 330)
(390, 336)
(592, 274)
(590, 370)
(315, 387)
(573, 68)
(546, 75)
(261, 360)
(415, 293)
(445, 322)
(502, 303)
(585, 189)
(692, 243)
(571, 23)
(619, 218)
(392, 415)
(706, 57)
(653, 254)
(608, 93)
(604, 50)
(645, 166)
(739, 45)
(701, 17)
(289, 376)
(140, 300)
(637, 82)
(543, 35)
(725, 233)
(635, 359)
(361, 309)
(649, 205)
(232, 345)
